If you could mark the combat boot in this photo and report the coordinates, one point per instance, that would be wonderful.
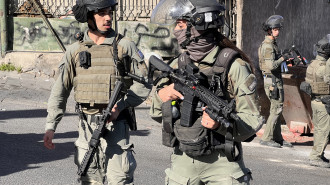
(270, 143)
(324, 159)
(284, 143)
(319, 163)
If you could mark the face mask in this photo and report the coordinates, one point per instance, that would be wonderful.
(180, 35)
(205, 44)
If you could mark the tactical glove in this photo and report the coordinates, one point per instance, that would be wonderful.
(286, 56)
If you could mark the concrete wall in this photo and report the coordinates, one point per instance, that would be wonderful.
(32, 34)
(305, 22)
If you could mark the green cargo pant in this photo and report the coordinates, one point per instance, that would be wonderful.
(113, 160)
(321, 121)
(212, 169)
(273, 125)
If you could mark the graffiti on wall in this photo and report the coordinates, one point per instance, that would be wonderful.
(33, 34)
(68, 32)
(152, 38)
(30, 35)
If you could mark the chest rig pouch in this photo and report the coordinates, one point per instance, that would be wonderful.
(315, 77)
(196, 140)
(97, 68)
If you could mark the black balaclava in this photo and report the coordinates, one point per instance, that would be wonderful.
(202, 42)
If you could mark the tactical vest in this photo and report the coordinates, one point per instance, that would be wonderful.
(198, 140)
(315, 77)
(95, 84)
(262, 63)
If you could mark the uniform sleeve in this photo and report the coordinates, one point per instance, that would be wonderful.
(138, 92)
(243, 88)
(269, 54)
(60, 92)
(156, 104)
(327, 72)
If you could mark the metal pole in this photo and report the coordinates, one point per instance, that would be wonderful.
(49, 25)
(121, 10)
(3, 23)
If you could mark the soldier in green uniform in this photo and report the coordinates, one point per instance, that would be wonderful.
(316, 78)
(271, 62)
(91, 66)
(198, 156)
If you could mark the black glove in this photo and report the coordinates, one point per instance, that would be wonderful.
(286, 56)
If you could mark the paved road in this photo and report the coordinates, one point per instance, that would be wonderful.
(24, 160)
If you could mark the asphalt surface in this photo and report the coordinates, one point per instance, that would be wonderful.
(24, 160)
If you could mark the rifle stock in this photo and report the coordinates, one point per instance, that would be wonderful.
(98, 132)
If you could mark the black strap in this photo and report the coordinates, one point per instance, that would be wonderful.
(167, 117)
(115, 43)
(81, 114)
(82, 117)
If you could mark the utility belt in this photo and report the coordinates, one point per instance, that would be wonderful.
(127, 114)
(274, 92)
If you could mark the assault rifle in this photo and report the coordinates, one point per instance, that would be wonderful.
(189, 82)
(296, 60)
(295, 54)
(98, 132)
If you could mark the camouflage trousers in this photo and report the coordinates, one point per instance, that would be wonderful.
(273, 125)
(321, 121)
(213, 169)
(113, 160)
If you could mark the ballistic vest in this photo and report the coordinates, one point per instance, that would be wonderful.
(315, 77)
(95, 84)
(262, 63)
(198, 140)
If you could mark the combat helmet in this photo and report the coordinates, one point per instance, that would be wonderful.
(83, 7)
(202, 15)
(274, 21)
(322, 47)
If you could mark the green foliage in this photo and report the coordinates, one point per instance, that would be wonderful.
(10, 67)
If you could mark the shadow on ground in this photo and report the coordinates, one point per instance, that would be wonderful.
(32, 113)
(21, 152)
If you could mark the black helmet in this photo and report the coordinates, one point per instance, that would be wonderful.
(274, 21)
(82, 7)
(203, 14)
(323, 46)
